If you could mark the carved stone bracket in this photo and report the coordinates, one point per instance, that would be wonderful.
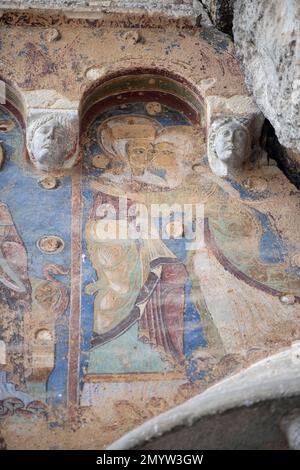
(52, 130)
(234, 128)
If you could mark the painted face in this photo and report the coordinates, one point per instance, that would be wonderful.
(232, 143)
(162, 155)
(49, 145)
(138, 156)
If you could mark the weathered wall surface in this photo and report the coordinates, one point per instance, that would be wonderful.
(174, 8)
(54, 62)
(266, 37)
(91, 339)
(69, 62)
(98, 4)
(268, 45)
(220, 12)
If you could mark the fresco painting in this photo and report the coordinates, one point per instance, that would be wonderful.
(87, 319)
(141, 284)
(34, 282)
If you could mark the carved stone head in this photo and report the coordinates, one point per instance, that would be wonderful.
(51, 140)
(229, 145)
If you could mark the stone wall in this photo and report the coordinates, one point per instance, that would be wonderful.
(189, 12)
(174, 7)
(220, 13)
(268, 47)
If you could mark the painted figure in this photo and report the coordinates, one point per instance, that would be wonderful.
(140, 150)
(257, 270)
(135, 278)
(138, 280)
(50, 299)
(15, 291)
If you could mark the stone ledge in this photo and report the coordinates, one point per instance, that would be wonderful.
(170, 7)
(161, 10)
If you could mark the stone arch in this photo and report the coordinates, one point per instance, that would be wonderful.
(129, 83)
(12, 99)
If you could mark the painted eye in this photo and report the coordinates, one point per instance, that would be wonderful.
(6, 126)
(226, 133)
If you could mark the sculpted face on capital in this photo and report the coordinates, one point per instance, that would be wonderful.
(49, 145)
(50, 142)
(232, 143)
(229, 147)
